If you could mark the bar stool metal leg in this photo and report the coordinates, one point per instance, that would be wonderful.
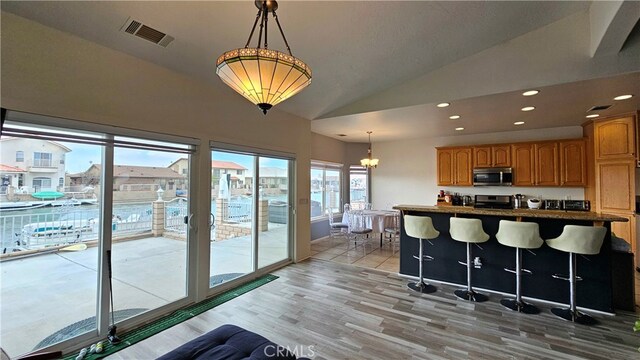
(468, 293)
(517, 304)
(571, 313)
(421, 286)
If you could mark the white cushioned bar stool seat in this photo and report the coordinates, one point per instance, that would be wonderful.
(468, 231)
(519, 235)
(576, 239)
(421, 228)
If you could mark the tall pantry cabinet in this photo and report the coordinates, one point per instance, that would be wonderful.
(611, 158)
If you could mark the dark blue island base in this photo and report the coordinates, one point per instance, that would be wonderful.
(593, 292)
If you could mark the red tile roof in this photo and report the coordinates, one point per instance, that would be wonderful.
(7, 168)
(226, 165)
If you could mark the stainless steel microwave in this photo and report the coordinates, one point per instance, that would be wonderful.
(492, 177)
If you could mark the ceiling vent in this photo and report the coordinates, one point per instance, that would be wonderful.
(143, 31)
(599, 107)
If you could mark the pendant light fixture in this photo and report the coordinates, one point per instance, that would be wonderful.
(263, 76)
(368, 162)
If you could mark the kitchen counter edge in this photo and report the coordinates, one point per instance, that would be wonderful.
(530, 213)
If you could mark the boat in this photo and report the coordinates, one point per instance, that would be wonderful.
(50, 233)
(23, 205)
(47, 195)
(26, 205)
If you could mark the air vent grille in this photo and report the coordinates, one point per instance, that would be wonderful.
(599, 107)
(148, 33)
(133, 26)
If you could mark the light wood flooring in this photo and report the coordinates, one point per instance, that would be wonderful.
(341, 311)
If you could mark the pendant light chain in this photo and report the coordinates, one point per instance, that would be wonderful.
(282, 33)
(253, 29)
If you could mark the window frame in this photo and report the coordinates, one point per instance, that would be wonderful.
(21, 157)
(324, 167)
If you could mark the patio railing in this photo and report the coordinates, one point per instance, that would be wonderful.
(174, 213)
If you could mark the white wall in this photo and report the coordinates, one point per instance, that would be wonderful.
(407, 170)
(46, 71)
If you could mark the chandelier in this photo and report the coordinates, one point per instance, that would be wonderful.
(368, 162)
(263, 76)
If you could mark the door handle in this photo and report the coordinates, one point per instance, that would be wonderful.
(212, 220)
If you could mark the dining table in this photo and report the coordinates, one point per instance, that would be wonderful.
(376, 220)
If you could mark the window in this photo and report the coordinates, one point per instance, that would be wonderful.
(62, 159)
(61, 182)
(19, 156)
(326, 180)
(240, 172)
(358, 184)
(41, 159)
(41, 183)
(184, 171)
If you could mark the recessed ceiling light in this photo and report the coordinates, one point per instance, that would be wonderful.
(528, 108)
(459, 129)
(591, 116)
(530, 93)
(444, 104)
(623, 97)
(518, 123)
(454, 117)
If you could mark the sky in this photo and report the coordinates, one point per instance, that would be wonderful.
(82, 156)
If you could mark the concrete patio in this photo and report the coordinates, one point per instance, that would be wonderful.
(44, 293)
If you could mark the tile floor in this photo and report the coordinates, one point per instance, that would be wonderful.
(368, 254)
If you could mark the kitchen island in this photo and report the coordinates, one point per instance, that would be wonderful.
(594, 292)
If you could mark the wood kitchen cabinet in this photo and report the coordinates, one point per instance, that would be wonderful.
(492, 156)
(573, 163)
(615, 186)
(482, 157)
(463, 167)
(523, 164)
(615, 138)
(544, 163)
(546, 166)
(455, 166)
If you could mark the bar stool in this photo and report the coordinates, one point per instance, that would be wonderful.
(520, 235)
(469, 231)
(576, 239)
(420, 227)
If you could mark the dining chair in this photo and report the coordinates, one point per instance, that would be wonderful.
(357, 230)
(392, 230)
(336, 229)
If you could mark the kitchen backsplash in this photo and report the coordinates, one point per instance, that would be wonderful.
(529, 192)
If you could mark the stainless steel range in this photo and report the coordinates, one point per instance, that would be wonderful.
(493, 202)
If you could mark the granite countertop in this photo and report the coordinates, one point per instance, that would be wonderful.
(530, 213)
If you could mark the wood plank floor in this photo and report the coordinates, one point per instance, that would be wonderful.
(342, 311)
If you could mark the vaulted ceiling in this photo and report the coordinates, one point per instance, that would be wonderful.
(383, 65)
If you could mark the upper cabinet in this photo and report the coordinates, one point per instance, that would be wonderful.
(455, 166)
(573, 161)
(523, 164)
(546, 164)
(543, 163)
(492, 156)
(463, 167)
(615, 139)
(445, 167)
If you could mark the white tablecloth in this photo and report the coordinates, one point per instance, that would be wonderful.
(376, 220)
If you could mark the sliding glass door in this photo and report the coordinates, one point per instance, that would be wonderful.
(274, 210)
(232, 215)
(78, 207)
(251, 212)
